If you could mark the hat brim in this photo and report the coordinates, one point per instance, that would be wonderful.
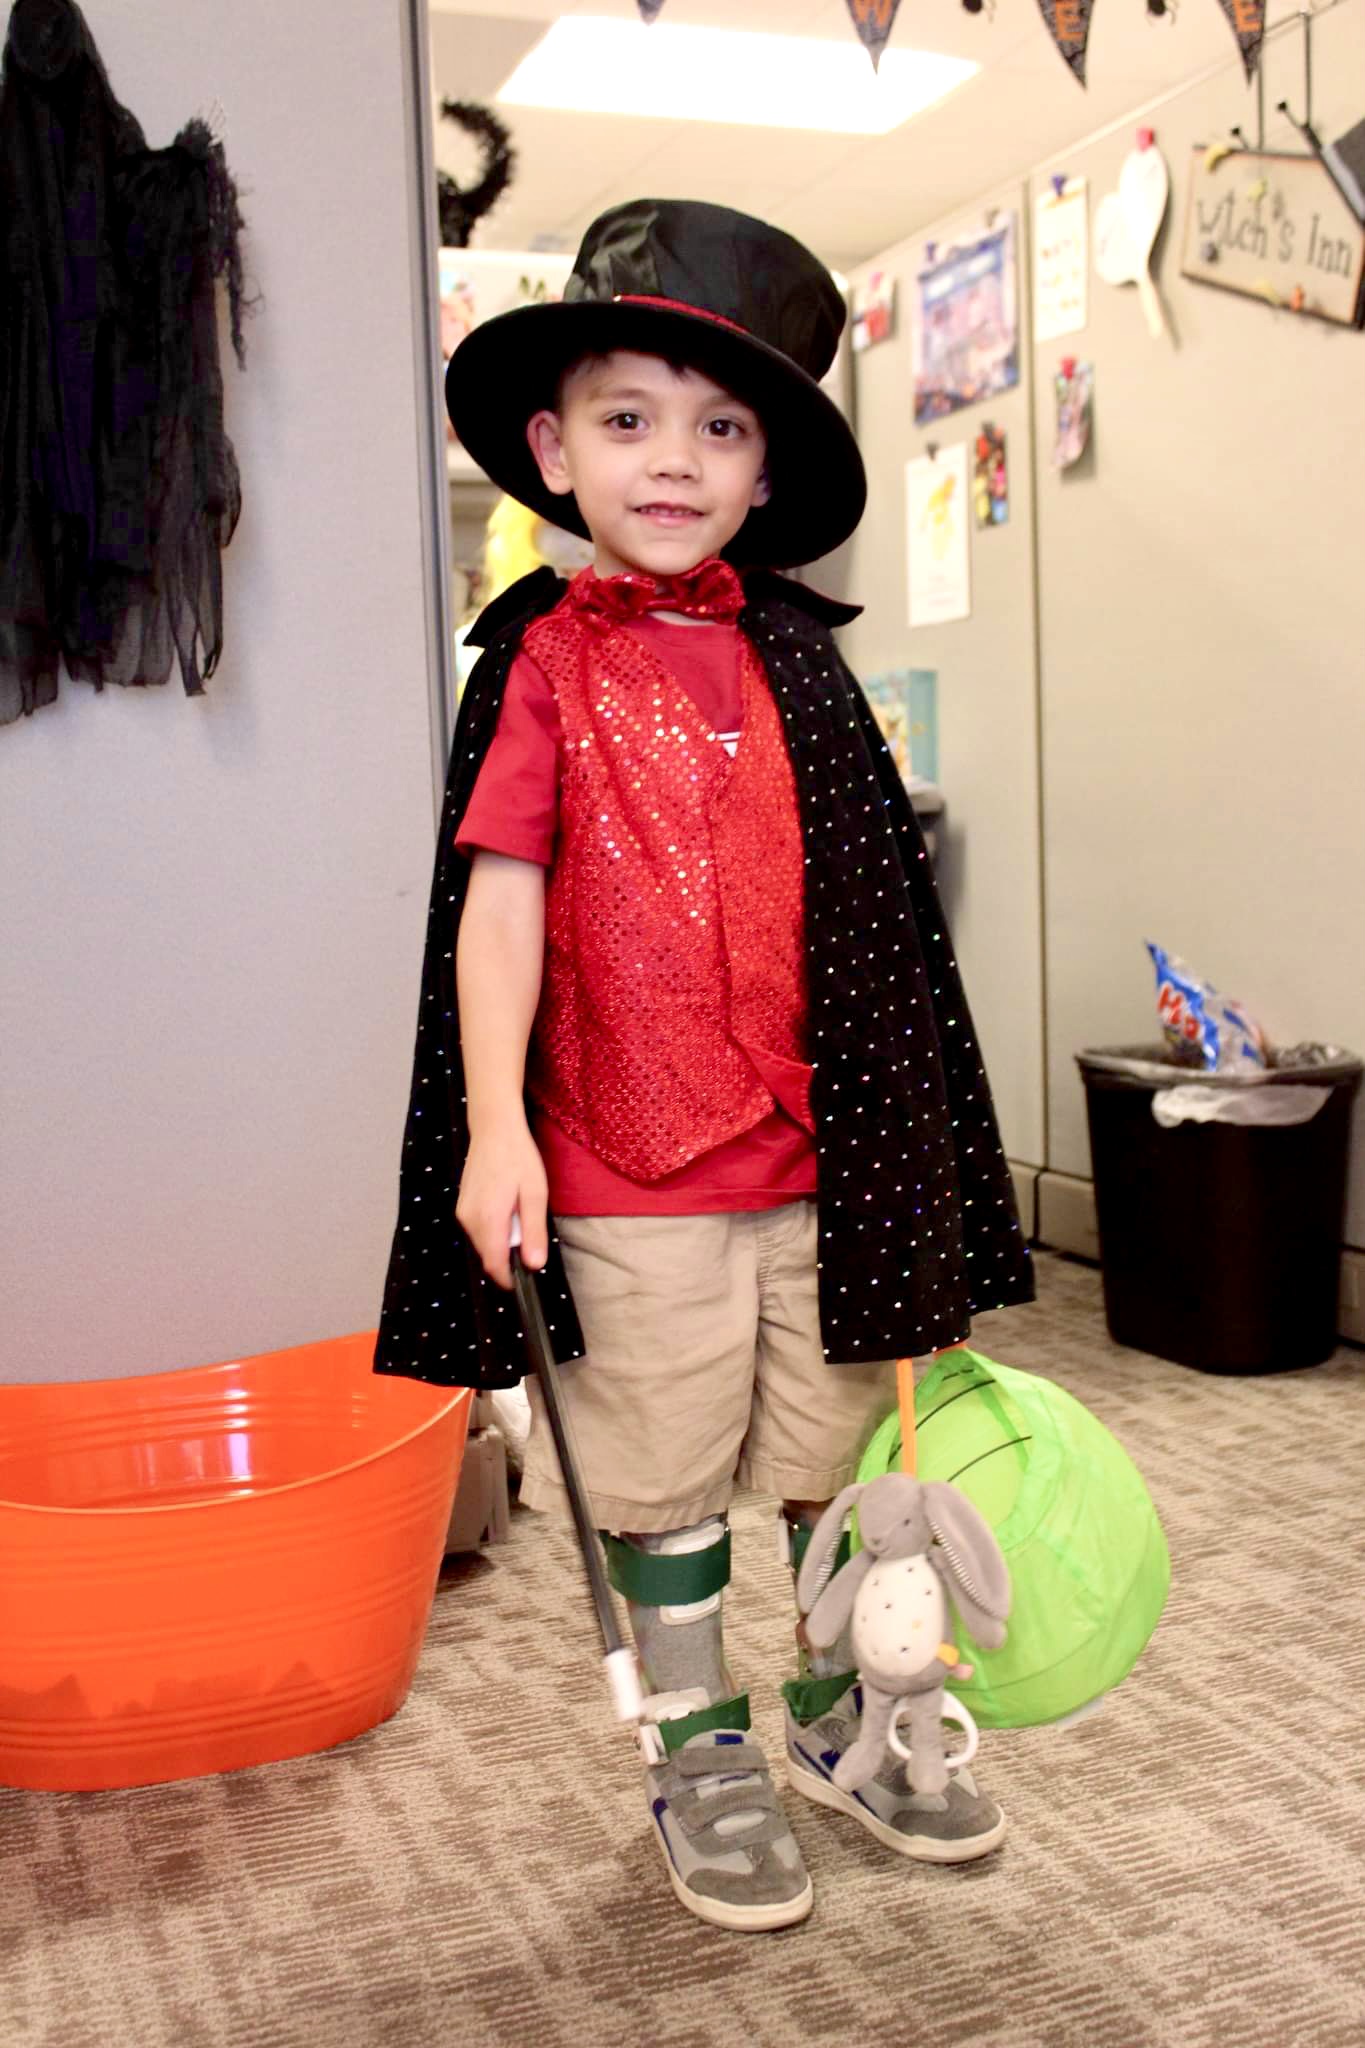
(508, 369)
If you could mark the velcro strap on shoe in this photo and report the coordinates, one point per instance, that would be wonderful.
(696, 1812)
(720, 1759)
(652, 1580)
(809, 1698)
(726, 1714)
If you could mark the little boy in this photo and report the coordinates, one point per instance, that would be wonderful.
(689, 1008)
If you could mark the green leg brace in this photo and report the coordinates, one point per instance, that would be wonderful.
(673, 1586)
(822, 1676)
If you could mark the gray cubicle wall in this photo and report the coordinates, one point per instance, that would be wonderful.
(1196, 709)
(1202, 619)
(987, 686)
(213, 911)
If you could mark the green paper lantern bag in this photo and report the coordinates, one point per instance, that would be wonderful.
(1087, 1556)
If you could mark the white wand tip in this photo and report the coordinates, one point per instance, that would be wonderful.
(623, 1677)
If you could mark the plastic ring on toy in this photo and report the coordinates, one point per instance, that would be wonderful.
(953, 1710)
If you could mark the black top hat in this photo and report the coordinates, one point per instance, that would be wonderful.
(713, 289)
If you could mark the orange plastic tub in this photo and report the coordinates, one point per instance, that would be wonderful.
(206, 1569)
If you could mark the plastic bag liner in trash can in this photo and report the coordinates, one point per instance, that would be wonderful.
(1089, 1569)
(1219, 1199)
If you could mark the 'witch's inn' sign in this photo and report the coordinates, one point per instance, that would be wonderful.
(1275, 228)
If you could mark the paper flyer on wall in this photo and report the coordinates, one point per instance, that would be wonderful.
(966, 328)
(1061, 261)
(938, 535)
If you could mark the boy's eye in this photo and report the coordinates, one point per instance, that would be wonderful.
(626, 421)
(724, 429)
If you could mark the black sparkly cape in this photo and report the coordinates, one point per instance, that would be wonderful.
(118, 486)
(918, 1228)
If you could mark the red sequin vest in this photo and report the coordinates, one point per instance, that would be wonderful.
(673, 1008)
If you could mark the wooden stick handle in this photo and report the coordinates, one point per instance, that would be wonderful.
(905, 1396)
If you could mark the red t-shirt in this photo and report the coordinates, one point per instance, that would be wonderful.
(515, 811)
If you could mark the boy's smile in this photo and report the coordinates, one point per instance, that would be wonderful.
(665, 464)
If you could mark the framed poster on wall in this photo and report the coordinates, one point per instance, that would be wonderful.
(966, 333)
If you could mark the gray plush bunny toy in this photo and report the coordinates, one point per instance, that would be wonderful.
(924, 1544)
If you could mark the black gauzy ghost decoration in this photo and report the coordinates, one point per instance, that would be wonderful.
(118, 485)
(461, 207)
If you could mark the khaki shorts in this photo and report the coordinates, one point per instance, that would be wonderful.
(704, 1368)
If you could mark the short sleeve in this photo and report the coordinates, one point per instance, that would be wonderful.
(515, 806)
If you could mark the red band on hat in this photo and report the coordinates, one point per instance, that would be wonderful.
(679, 306)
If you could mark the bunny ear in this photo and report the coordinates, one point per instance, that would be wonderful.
(975, 1563)
(824, 1541)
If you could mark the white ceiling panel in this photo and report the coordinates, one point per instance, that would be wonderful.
(848, 197)
(473, 56)
(787, 16)
(840, 231)
(707, 151)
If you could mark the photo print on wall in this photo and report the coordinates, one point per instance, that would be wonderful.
(1074, 390)
(990, 477)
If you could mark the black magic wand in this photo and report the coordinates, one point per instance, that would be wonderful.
(623, 1676)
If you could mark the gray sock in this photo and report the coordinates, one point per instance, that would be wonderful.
(680, 1647)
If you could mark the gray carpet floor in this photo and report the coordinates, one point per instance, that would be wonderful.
(1187, 1867)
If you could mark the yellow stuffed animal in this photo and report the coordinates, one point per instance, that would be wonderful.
(510, 550)
(517, 540)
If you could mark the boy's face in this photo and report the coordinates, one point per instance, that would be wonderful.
(666, 466)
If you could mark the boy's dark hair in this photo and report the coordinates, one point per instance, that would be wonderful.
(677, 362)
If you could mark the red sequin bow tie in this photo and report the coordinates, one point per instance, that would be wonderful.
(710, 591)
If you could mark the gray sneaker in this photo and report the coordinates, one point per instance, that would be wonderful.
(732, 1858)
(951, 1827)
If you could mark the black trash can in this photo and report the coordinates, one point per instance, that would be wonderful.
(1220, 1243)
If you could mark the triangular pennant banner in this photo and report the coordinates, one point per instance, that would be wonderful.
(874, 20)
(1345, 160)
(650, 9)
(1068, 23)
(1247, 21)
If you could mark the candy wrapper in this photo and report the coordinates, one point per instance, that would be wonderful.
(1203, 1026)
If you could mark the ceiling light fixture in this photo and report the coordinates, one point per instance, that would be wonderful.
(592, 64)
